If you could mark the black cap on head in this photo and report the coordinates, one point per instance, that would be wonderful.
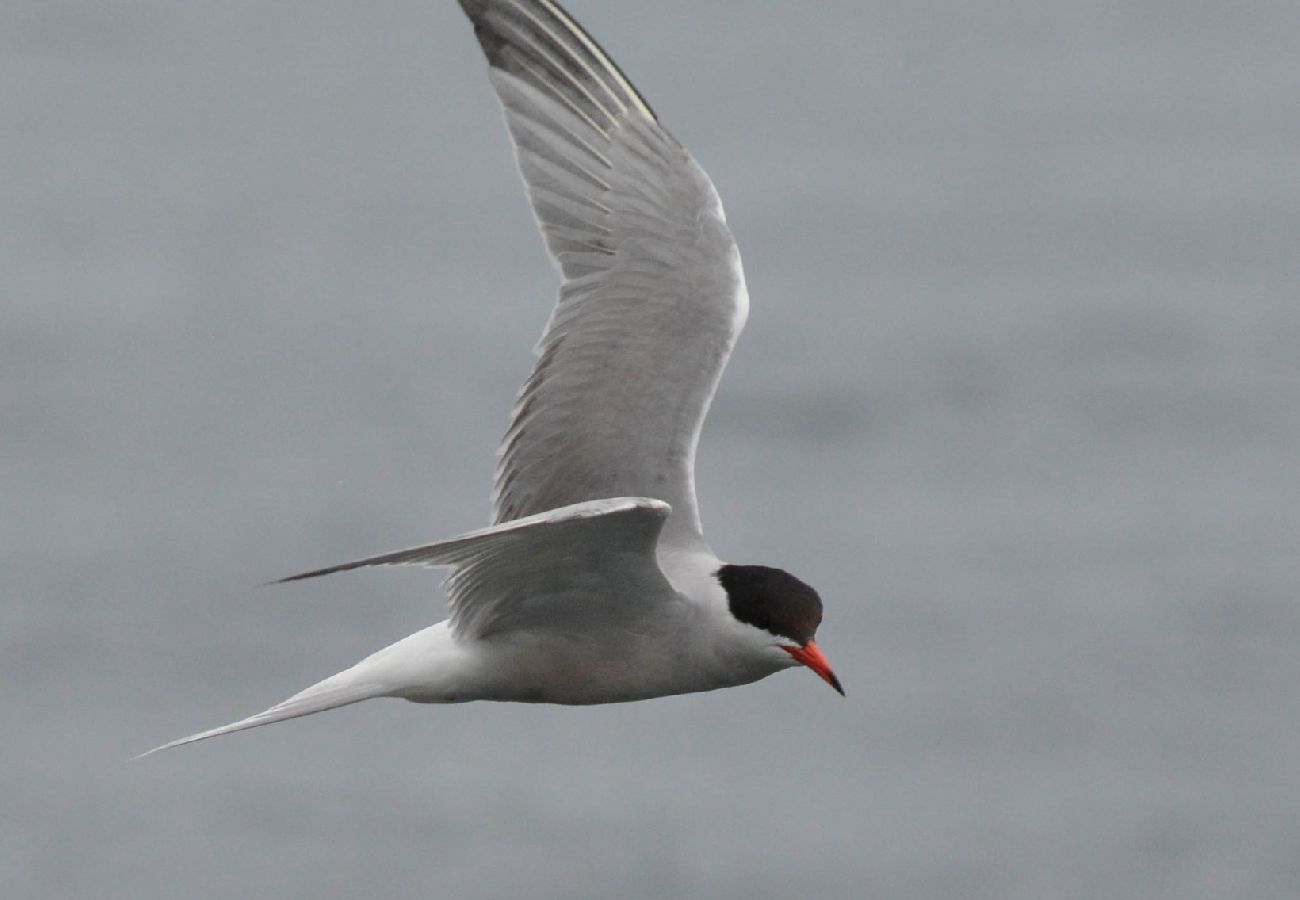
(772, 599)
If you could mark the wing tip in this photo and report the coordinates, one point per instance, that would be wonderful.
(331, 570)
(495, 43)
(489, 39)
(301, 576)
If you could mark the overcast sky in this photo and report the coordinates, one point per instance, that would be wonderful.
(1019, 394)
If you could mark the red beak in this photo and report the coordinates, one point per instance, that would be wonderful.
(811, 656)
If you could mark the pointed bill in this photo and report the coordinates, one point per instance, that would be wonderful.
(810, 655)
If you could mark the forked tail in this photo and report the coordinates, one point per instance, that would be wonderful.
(335, 691)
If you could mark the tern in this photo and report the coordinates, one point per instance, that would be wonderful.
(595, 584)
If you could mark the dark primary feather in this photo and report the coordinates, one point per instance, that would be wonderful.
(538, 41)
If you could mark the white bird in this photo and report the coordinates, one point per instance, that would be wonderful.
(595, 585)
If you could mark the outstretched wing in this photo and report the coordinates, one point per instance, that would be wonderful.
(653, 296)
(579, 568)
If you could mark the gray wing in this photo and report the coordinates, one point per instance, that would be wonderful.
(653, 296)
(578, 568)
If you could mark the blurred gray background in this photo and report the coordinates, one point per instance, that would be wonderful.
(1020, 394)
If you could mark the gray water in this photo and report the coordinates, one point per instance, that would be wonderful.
(1020, 394)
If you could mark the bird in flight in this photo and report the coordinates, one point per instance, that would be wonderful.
(595, 584)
